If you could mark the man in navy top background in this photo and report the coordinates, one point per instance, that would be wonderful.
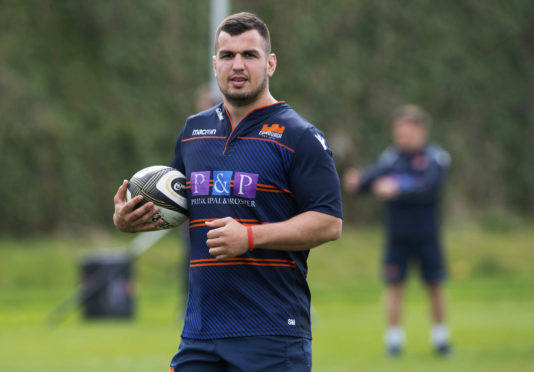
(409, 177)
(262, 191)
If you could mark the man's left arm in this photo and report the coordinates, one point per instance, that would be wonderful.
(229, 238)
(315, 185)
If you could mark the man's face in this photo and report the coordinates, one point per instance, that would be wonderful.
(409, 136)
(242, 67)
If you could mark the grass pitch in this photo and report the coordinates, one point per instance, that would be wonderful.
(491, 295)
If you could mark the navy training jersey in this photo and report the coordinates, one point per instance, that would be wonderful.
(415, 212)
(271, 167)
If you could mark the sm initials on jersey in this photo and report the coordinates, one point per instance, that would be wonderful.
(224, 183)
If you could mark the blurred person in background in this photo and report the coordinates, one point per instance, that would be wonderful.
(409, 177)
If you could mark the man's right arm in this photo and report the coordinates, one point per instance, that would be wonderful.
(126, 217)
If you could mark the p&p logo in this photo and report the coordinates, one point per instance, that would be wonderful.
(243, 185)
(221, 182)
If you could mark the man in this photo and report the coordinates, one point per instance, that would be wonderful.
(263, 191)
(409, 177)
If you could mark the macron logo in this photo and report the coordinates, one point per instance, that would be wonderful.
(204, 132)
(272, 131)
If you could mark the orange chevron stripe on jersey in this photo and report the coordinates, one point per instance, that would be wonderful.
(202, 137)
(271, 188)
(266, 140)
(244, 221)
(279, 260)
(243, 261)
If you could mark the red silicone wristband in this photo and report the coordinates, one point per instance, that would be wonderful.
(250, 240)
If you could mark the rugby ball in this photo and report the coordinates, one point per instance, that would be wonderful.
(166, 188)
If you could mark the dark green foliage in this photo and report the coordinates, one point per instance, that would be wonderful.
(91, 92)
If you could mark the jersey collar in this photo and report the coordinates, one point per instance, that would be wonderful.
(255, 113)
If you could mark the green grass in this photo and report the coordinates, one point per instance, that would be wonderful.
(491, 295)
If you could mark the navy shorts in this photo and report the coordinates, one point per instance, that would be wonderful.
(246, 354)
(424, 252)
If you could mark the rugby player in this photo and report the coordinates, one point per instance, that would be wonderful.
(263, 190)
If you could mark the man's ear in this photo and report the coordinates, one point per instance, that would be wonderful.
(271, 64)
(214, 64)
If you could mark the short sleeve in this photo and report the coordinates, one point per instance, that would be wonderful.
(177, 162)
(313, 176)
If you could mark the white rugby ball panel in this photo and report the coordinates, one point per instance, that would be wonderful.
(172, 185)
(149, 170)
(166, 188)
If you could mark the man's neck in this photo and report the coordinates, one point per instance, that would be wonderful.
(238, 113)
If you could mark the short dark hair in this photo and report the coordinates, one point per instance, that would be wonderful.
(238, 23)
(412, 113)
